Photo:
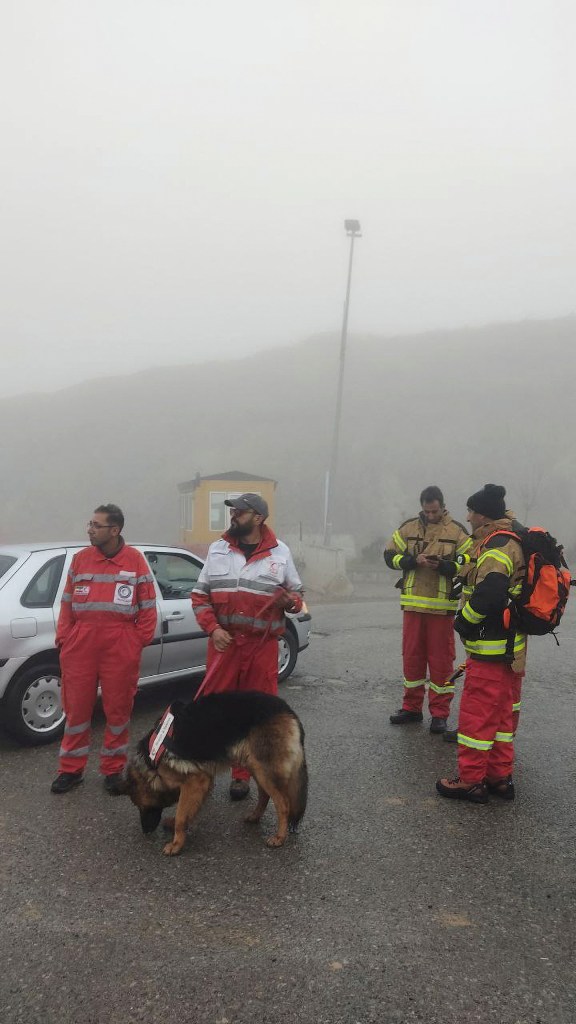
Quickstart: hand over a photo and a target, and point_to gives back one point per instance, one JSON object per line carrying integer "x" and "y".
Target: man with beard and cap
{"x": 247, "y": 583}
{"x": 425, "y": 549}
{"x": 496, "y": 654}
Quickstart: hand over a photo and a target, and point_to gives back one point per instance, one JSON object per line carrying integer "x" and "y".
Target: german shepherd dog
{"x": 255, "y": 730}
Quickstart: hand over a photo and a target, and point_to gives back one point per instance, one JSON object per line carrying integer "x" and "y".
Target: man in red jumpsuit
{"x": 247, "y": 583}
{"x": 108, "y": 615}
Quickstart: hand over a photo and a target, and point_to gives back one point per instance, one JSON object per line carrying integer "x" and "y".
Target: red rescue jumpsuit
{"x": 238, "y": 595}
{"x": 108, "y": 615}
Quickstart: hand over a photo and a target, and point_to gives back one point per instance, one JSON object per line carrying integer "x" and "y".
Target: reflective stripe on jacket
{"x": 238, "y": 595}
{"x": 425, "y": 589}
{"x": 100, "y": 590}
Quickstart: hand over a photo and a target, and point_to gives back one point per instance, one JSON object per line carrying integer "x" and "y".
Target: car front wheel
{"x": 33, "y": 711}
{"x": 287, "y": 654}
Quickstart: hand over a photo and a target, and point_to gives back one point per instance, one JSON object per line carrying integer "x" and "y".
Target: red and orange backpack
{"x": 537, "y": 610}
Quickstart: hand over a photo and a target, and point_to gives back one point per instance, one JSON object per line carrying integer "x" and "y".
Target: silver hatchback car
{"x": 32, "y": 579}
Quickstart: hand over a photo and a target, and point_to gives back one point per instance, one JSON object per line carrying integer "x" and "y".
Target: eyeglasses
{"x": 98, "y": 526}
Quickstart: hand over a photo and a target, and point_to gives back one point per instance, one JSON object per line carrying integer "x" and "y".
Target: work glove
{"x": 446, "y": 567}
{"x": 466, "y": 630}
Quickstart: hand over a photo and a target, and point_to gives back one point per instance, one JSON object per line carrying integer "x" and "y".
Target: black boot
{"x": 115, "y": 784}
{"x": 402, "y": 717}
{"x": 455, "y": 789}
{"x": 239, "y": 789}
{"x": 504, "y": 788}
{"x": 450, "y": 736}
{"x": 438, "y": 725}
{"x": 66, "y": 781}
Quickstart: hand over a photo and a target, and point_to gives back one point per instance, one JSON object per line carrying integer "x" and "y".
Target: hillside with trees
{"x": 456, "y": 408}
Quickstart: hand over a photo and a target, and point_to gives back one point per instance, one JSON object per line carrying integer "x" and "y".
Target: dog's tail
{"x": 298, "y": 787}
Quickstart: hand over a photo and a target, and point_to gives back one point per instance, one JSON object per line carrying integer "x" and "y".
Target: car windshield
{"x": 5, "y": 562}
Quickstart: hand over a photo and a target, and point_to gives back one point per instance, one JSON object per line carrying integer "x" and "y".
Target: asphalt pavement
{"x": 389, "y": 905}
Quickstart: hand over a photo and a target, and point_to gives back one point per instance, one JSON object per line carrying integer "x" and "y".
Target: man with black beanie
{"x": 495, "y": 653}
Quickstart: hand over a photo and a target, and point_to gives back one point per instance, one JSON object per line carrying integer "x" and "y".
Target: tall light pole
{"x": 352, "y": 228}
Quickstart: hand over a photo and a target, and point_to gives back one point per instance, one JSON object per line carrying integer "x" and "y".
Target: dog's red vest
{"x": 159, "y": 741}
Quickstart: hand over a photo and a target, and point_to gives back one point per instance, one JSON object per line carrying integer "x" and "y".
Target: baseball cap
{"x": 254, "y": 502}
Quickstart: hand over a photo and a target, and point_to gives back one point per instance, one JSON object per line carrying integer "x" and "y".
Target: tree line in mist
{"x": 458, "y": 408}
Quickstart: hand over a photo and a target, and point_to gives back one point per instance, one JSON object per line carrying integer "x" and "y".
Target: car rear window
{"x": 5, "y": 562}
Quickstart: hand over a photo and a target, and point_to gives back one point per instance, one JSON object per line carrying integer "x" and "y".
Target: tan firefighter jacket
{"x": 494, "y": 575}
{"x": 426, "y": 589}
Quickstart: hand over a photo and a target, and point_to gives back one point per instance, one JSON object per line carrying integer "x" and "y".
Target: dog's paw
{"x": 172, "y": 849}
{"x": 274, "y": 841}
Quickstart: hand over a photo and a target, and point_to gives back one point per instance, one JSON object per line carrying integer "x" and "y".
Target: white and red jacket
{"x": 238, "y": 595}
{"x": 101, "y": 590}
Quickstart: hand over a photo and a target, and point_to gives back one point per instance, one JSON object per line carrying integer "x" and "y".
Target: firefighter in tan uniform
{"x": 425, "y": 550}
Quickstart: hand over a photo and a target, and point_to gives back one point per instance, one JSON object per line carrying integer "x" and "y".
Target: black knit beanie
{"x": 489, "y": 501}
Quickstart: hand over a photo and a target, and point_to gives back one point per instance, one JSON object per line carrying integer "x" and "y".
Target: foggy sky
{"x": 176, "y": 173}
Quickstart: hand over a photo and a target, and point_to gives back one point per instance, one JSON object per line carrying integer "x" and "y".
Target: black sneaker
{"x": 438, "y": 725}
{"x": 115, "y": 784}
{"x": 504, "y": 788}
{"x": 402, "y": 717}
{"x": 455, "y": 789}
{"x": 450, "y": 736}
{"x": 239, "y": 789}
{"x": 66, "y": 781}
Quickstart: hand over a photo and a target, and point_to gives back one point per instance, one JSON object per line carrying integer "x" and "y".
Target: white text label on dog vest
{"x": 164, "y": 727}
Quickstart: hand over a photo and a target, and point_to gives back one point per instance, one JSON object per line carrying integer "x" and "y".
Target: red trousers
{"x": 428, "y": 643}
{"x": 109, "y": 655}
{"x": 485, "y": 725}
{"x": 246, "y": 664}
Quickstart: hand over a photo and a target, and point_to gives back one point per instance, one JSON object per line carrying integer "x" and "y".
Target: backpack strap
{"x": 499, "y": 533}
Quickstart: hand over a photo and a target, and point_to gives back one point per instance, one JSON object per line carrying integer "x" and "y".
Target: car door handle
{"x": 176, "y": 617}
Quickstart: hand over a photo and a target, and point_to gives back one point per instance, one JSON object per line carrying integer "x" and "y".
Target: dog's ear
{"x": 150, "y": 819}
